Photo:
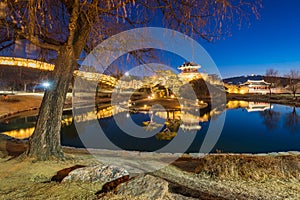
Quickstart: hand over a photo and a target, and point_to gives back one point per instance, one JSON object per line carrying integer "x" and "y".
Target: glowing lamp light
{"x": 45, "y": 84}
{"x": 126, "y": 74}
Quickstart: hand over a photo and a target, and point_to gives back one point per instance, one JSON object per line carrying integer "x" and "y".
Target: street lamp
{"x": 46, "y": 84}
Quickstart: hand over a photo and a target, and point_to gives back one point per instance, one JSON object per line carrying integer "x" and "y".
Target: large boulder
{"x": 98, "y": 173}
{"x": 141, "y": 187}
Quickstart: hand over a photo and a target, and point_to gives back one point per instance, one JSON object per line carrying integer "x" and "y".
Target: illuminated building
{"x": 189, "y": 71}
{"x": 257, "y": 86}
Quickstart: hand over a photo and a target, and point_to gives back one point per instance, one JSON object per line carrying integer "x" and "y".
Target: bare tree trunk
{"x": 45, "y": 143}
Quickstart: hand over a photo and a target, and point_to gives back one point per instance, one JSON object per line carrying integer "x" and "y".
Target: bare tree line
{"x": 292, "y": 77}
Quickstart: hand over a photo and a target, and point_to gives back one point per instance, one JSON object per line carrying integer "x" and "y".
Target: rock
{"x": 283, "y": 153}
{"x": 273, "y": 154}
{"x": 98, "y": 173}
{"x": 294, "y": 152}
{"x": 261, "y": 154}
{"x": 61, "y": 174}
{"x": 144, "y": 187}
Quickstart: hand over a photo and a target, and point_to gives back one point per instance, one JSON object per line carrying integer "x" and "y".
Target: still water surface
{"x": 249, "y": 128}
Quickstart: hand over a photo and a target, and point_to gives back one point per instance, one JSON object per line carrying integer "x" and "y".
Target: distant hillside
{"x": 242, "y": 79}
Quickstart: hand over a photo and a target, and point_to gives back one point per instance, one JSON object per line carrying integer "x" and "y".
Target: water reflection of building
{"x": 237, "y": 104}
{"x": 249, "y": 106}
{"x": 67, "y": 120}
{"x": 190, "y": 122}
{"x": 20, "y": 133}
{"x": 24, "y": 133}
{"x": 258, "y": 106}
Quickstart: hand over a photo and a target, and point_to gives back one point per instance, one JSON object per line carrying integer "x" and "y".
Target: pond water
{"x": 249, "y": 128}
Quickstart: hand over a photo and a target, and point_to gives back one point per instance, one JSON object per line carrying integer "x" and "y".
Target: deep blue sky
{"x": 273, "y": 41}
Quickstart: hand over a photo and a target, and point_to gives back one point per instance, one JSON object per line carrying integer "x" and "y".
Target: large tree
{"x": 67, "y": 28}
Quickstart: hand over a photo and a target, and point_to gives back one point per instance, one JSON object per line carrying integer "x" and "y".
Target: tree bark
{"x": 45, "y": 144}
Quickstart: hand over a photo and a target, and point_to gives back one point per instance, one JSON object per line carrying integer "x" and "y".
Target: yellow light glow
{"x": 29, "y": 63}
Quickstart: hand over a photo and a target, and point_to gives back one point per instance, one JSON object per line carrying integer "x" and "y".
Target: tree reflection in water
{"x": 271, "y": 118}
{"x": 292, "y": 120}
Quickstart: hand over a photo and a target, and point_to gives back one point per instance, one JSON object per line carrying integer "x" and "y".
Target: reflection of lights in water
{"x": 258, "y": 106}
{"x": 189, "y": 127}
{"x": 127, "y": 115}
{"x": 237, "y": 104}
{"x": 190, "y": 121}
{"x": 250, "y": 106}
{"x": 24, "y": 133}
{"x": 20, "y": 134}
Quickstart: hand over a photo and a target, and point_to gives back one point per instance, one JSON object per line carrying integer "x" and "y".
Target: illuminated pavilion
{"x": 189, "y": 71}
{"x": 257, "y": 86}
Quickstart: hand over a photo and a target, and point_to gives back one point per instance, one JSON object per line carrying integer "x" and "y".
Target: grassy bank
{"x": 215, "y": 176}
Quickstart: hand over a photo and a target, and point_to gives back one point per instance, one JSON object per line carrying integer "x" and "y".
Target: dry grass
{"x": 257, "y": 168}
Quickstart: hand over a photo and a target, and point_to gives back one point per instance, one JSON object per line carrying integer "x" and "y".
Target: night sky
{"x": 273, "y": 41}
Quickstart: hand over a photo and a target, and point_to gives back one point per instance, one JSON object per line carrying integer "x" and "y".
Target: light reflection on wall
{"x": 236, "y": 89}
{"x": 22, "y": 62}
{"x": 29, "y": 63}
